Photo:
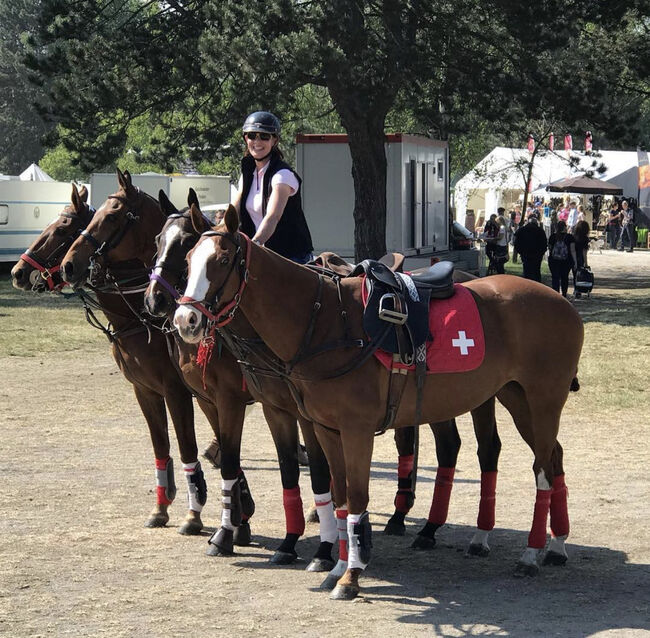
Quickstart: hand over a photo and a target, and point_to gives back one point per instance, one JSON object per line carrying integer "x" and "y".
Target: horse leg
{"x": 285, "y": 436}
{"x": 330, "y": 442}
{"x": 357, "y": 452}
{"x": 181, "y": 409}
{"x": 556, "y": 553}
{"x": 537, "y": 420}
{"x": 489, "y": 448}
{"x": 405, "y": 442}
{"x": 447, "y": 448}
{"x": 234, "y": 489}
{"x": 319, "y": 472}
{"x": 153, "y": 409}
{"x": 212, "y": 453}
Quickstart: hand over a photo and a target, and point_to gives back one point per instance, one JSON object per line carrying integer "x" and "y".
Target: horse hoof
{"x": 216, "y": 550}
{"x": 344, "y": 592}
{"x": 157, "y": 521}
{"x": 394, "y": 528}
{"x": 283, "y": 558}
{"x": 423, "y": 542}
{"x": 312, "y": 515}
{"x": 526, "y": 569}
{"x": 477, "y": 549}
{"x": 554, "y": 558}
{"x": 330, "y": 582}
{"x": 191, "y": 528}
{"x": 242, "y": 535}
{"x": 320, "y": 565}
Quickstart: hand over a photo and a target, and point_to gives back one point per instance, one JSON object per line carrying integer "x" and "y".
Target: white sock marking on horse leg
{"x": 192, "y": 492}
{"x": 481, "y": 538}
{"x": 556, "y": 546}
{"x": 529, "y": 557}
{"x": 226, "y": 485}
{"x": 542, "y": 481}
{"x": 328, "y": 530}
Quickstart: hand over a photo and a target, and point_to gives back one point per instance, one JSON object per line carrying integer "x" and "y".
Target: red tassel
{"x": 204, "y": 354}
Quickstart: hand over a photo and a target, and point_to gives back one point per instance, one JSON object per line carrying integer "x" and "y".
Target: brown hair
{"x": 581, "y": 231}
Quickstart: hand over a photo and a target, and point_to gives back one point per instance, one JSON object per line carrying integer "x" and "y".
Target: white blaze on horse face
{"x": 170, "y": 235}
{"x": 198, "y": 283}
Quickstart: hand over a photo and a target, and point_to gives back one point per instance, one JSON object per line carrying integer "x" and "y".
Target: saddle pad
{"x": 458, "y": 342}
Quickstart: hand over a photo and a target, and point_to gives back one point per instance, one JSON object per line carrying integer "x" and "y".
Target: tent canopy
{"x": 34, "y": 173}
{"x": 585, "y": 185}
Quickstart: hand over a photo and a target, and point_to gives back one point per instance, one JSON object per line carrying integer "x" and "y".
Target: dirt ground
{"x": 78, "y": 483}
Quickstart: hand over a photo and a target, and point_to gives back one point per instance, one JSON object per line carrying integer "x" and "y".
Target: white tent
{"x": 497, "y": 180}
{"x": 34, "y": 173}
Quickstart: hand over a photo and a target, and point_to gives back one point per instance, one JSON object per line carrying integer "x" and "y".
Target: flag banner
{"x": 551, "y": 142}
{"x": 568, "y": 142}
{"x": 531, "y": 143}
{"x": 588, "y": 143}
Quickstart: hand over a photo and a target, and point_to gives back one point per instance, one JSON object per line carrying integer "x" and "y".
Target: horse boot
{"x": 295, "y": 520}
{"x": 322, "y": 560}
{"x": 426, "y": 537}
{"x": 342, "y": 564}
{"x": 242, "y": 535}
{"x": 165, "y": 493}
{"x": 221, "y": 543}
{"x": 405, "y": 497}
{"x": 359, "y": 550}
{"x": 197, "y": 495}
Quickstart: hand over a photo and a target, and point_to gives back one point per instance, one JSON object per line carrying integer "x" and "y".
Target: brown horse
{"x": 301, "y": 317}
{"x": 221, "y": 380}
{"x": 141, "y": 356}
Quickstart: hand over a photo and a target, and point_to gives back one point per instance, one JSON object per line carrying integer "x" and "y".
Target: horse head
{"x": 217, "y": 271}
{"x": 176, "y": 238}
{"x": 122, "y": 229}
{"x": 38, "y": 268}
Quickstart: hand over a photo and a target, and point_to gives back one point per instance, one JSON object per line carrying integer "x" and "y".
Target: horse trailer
{"x": 26, "y": 207}
{"x": 417, "y": 197}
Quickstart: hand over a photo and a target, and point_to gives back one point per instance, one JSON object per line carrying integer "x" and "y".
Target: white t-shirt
{"x": 255, "y": 199}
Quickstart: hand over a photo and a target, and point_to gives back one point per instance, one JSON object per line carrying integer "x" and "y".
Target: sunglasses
{"x": 265, "y": 137}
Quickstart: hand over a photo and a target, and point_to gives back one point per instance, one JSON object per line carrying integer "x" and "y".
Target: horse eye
{"x": 224, "y": 261}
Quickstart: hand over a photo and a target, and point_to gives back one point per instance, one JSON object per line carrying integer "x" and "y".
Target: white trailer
{"x": 26, "y": 207}
{"x": 210, "y": 189}
{"x": 417, "y": 197}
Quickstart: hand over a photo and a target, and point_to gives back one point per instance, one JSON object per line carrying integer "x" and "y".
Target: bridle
{"x": 226, "y": 314}
{"x": 115, "y": 237}
{"x": 48, "y": 267}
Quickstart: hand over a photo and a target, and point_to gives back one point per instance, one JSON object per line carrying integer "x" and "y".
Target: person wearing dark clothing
{"x": 613, "y": 225}
{"x": 628, "y": 231}
{"x": 581, "y": 235}
{"x": 561, "y": 257}
{"x": 531, "y": 244}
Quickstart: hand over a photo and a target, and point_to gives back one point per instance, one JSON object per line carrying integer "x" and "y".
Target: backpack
{"x": 560, "y": 250}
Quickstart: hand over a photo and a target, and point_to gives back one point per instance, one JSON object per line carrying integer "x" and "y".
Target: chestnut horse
{"x": 127, "y": 225}
{"x": 141, "y": 356}
{"x": 301, "y": 317}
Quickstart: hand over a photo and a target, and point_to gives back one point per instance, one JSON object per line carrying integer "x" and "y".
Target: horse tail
{"x": 575, "y": 385}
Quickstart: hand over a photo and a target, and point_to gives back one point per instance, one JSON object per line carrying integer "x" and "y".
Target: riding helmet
{"x": 262, "y": 122}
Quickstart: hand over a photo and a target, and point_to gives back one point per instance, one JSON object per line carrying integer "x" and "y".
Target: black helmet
{"x": 261, "y": 122}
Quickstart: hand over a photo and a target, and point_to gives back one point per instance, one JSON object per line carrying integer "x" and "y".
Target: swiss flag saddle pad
{"x": 458, "y": 343}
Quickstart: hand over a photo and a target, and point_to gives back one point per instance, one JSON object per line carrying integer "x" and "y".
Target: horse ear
{"x": 75, "y": 199}
{"x": 83, "y": 194}
{"x": 167, "y": 207}
{"x": 193, "y": 198}
{"x": 121, "y": 179}
{"x": 231, "y": 219}
{"x": 199, "y": 222}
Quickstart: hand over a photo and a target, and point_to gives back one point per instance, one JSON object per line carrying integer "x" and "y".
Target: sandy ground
{"x": 77, "y": 472}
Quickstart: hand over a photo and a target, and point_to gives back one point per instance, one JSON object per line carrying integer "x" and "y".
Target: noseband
{"x": 228, "y": 311}
{"x": 47, "y": 267}
{"x": 117, "y": 236}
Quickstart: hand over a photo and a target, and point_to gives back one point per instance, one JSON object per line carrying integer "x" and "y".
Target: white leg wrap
{"x": 226, "y": 485}
{"x": 192, "y": 491}
{"x": 557, "y": 545}
{"x": 529, "y": 557}
{"x": 328, "y": 531}
{"x": 481, "y": 538}
{"x": 353, "y": 543}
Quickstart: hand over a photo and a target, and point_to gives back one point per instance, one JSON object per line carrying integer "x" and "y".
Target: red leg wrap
{"x": 293, "y": 513}
{"x": 537, "y": 536}
{"x": 342, "y": 526}
{"x": 161, "y": 495}
{"x": 441, "y": 495}
{"x": 559, "y": 511}
{"x": 485, "y": 520}
{"x": 404, "y": 497}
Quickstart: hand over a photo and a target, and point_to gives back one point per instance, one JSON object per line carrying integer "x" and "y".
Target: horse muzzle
{"x": 157, "y": 303}
{"x": 190, "y": 323}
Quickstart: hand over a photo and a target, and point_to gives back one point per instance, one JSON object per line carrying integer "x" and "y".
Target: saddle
{"x": 401, "y": 304}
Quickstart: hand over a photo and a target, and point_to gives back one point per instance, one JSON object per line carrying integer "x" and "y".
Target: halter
{"x": 46, "y": 267}
{"x": 229, "y": 310}
{"x": 117, "y": 236}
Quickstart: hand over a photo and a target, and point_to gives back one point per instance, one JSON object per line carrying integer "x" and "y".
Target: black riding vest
{"x": 291, "y": 237}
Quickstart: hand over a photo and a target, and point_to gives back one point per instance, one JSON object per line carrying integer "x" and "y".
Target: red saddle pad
{"x": 458, "y": 342}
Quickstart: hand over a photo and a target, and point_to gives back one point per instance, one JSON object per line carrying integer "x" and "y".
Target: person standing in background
{"x": 628, "y": 230}
{"x": 613, "y": 225}
{"x": 561, "y": 257}
{"x": 530, "y": 243}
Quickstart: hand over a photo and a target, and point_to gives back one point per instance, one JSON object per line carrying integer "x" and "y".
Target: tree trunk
{"x": 364, "y": 124}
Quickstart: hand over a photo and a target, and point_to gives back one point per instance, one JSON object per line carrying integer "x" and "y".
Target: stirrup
{"x": 392, "y": 316}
